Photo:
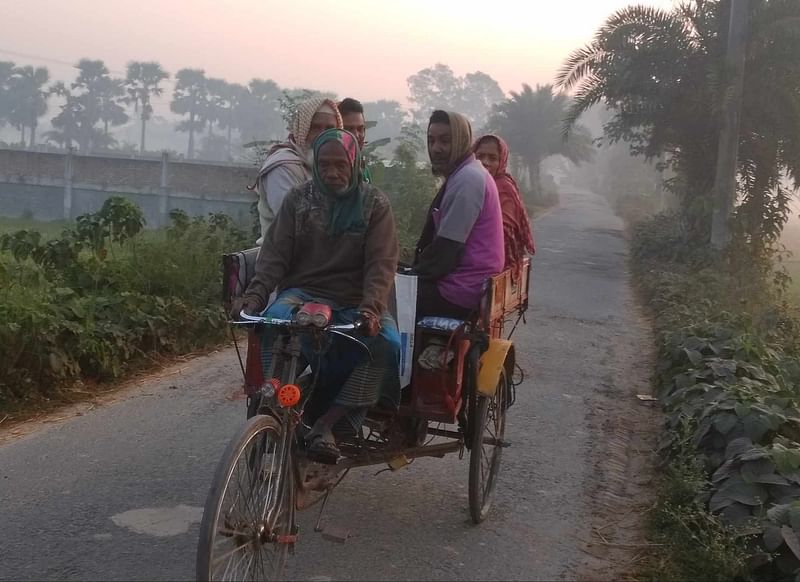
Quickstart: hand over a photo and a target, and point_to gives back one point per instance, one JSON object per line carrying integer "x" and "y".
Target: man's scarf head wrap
{"x": 304, "y": 113}
{"x": 460, "y": 136}
{"x": 348, "y": 205}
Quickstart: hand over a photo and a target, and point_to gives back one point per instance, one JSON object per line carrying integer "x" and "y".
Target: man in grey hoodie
{"x": 288, "y": 164}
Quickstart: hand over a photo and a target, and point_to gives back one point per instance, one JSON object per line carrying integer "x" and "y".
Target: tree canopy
{"x": 663, "y": 75}
{"x": 438, "y": 87}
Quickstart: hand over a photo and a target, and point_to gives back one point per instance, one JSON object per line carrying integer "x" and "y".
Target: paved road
{"x": 115, "y": 494}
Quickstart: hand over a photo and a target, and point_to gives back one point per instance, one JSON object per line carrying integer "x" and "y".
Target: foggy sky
{"x": 362, "y": 48}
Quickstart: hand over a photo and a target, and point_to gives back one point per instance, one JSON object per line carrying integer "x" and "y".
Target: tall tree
{"x": 99, "y": 101}
{"x": 112, "y": 94}
{"x": 229, "y": 105}
{"x": 216, "y": 104}
{"x": 189, "y": 98}
{"x": 66, "y": 125}
{"x": 90, "y": 104}
{"x": 6, "y": 70}
{"x": 438, "y": 87}
{"x": 531, "y": 122}
{"x": 28, "y": 99}
{"x": 388, "y": 116}
{"x": 661, "y": 73}
{"x": 433, "y": 88}
{"x": 258, "y": 116}
{"x": 479, "y": 94}
{"x": 143, "y": 81}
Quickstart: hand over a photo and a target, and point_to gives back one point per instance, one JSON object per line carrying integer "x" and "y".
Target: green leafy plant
{"x": 93, "y": 302}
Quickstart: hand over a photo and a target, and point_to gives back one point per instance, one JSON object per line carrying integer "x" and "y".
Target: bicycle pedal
{"x": 322, "y": 458}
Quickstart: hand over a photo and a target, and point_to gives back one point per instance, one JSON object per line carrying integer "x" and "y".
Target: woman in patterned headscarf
{"x": 492, "y": 151}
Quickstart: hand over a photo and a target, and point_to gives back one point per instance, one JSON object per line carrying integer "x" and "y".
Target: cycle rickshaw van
{"x": 460, "y": 390}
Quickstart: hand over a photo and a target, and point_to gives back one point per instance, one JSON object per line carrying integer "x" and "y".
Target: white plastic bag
{"x": 405, "y": 288}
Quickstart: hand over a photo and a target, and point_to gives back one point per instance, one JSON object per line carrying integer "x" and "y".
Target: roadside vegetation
{"x": 728, "y": 370}
{"x": 103, "y": 296}
{"x": 727, "y": 331}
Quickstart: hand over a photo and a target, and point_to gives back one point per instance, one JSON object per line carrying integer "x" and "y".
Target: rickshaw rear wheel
{"x": 488, "y": 431}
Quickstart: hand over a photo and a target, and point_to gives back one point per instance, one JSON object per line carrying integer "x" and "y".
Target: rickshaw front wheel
{"x": 248, "y": 521}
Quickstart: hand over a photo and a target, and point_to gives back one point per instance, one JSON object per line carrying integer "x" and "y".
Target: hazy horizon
{"x": 362, "y": 49}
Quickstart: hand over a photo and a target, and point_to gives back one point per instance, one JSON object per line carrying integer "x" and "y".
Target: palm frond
{"x": 589, "y": 94}
{"x": 577, "y": 66}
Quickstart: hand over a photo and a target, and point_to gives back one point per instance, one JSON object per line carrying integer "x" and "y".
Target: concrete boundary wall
{"x": 57, "y": 186}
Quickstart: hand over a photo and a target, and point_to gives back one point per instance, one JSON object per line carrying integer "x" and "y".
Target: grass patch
{"x": 48, "y": 229}
{"x": 695, "y": 545}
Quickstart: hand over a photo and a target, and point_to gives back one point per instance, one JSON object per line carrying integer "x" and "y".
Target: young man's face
{"x": 355, "y": 124}
{"x": 334, "y": 166}
{"x": 488, "y": 154}
{"x": 319, "y": 123}
{"x": 439, "y": 148}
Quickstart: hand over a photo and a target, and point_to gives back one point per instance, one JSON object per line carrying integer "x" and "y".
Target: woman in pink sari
{"x": 492, "y": 152}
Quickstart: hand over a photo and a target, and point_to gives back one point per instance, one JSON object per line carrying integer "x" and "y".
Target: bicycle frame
{"x": 369, "y": 450}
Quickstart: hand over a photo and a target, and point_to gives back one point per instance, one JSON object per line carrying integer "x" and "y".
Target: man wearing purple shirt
{"x": 462, "y": 242}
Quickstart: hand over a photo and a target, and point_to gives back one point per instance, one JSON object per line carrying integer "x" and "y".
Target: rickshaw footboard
{"x": 376, "y": 458}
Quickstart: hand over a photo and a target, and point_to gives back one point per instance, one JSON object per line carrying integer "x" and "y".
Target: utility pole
{"x": 725, "y": 178}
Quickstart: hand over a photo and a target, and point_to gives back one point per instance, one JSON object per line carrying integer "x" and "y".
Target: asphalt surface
{"x": 116, "y": 493}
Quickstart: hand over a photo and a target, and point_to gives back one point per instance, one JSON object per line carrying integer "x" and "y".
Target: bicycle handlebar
{"x": 247, "y": 319}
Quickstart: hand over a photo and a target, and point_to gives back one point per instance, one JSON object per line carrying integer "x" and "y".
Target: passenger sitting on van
{"x": 334, "y": 242}
{"x": 288, "y": 164}
{"x": 461, "y": 245}
{"x": 492, "y": 151}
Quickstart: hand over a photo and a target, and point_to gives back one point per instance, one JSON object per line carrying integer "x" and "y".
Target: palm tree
{"x": 662, "y": 74}
{"x": 112, "y": 93}
{"x": 530, "y": 121}
{"x": 217, "y": 103}
{"x": 6, "y": 69}
{"x": 258, "y": 115}
{"x": 66, "y": 125}
{"x": 189, "y": 98}
{"x": 99, "y": 99}
{"x": 232, "y": 99}
{"x": 142, "y": 81}
{"x": 28, "y": 99}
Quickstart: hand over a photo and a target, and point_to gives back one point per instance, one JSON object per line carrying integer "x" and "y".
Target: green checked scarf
{"x": 348, "y": 207}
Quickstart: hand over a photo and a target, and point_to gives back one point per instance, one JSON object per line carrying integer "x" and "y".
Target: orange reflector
{"x": 288, "y": 395}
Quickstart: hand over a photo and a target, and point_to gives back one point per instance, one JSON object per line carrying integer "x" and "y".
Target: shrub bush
{"x": 94, "y": 301}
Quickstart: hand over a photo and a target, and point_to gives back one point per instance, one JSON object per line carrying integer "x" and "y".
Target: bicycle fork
{"x": 289, "y": 418}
